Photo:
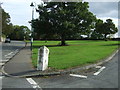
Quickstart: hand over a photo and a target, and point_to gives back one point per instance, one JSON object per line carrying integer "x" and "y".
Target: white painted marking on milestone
{"x": 33, "y": 83}
{"x": 100, "y": 70}
{"x": 81, "y": 76}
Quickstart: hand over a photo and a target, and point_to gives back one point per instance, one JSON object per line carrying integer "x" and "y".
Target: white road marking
{"x": 5, "y": 55}
{"x": 81, "y": 76}
{"x": 8, "y": 57}
{"x": 99, "y": 71}
{"x": 1, "y": 77}
{"x": 1, "y": 61}
{"x": 33, "y": 83}
{"x": 1, "y": 64}
{"x": 16, "y": 50}
{"x": 9, "y": 54}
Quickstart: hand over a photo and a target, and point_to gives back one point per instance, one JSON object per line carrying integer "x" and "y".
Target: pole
{"x": 33, "y": 4}
{"x": 32, "y": 28}
{"x": 1, "y": 22}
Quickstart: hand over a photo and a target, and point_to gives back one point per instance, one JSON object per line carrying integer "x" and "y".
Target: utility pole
{"x": 0, "y": 21}
{"x": 33, "y": 4}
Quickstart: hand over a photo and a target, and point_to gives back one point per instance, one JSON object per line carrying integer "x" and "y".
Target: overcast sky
{"x": 20, "y": 10}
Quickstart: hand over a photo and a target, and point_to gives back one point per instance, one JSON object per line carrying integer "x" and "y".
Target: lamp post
{"x": 33, "y": 4}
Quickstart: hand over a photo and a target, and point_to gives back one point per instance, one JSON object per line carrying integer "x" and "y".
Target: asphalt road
{"x": 7, "y": 48}
{"x": 8, "y": 82}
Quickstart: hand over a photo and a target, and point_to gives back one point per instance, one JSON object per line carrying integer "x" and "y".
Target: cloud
{"x": 104, "y": 9}
{"x": 20, "y": 10}
{"x": 102, "y": 0}
{"x": 119, "y": 10}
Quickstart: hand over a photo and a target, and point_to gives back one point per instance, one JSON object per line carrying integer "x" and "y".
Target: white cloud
{"x": 104, "y": 9}
{"x": 20, "y": 10}
{"x": 102, "y": 0}
{"x": 20, "y": 1}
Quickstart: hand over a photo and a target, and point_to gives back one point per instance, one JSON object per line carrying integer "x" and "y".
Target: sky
{"x": 21, "y": 12}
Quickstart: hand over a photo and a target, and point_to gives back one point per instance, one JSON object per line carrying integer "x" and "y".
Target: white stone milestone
{"x": 43, "y": 54}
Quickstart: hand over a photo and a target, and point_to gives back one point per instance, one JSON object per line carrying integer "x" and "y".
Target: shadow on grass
{"x": 49, "y": 46}
{"x": 117, "y": 44}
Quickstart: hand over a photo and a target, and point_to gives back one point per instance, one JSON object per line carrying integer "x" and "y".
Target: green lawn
{"x": 78, "y": 53}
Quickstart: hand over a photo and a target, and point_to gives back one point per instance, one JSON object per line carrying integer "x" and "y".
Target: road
{"x": 108, "y": 78}
{"x": 9, "y": 49}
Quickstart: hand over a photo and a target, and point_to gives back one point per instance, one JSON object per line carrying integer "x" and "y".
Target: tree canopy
{"x": 20, "y": 32}
{"x": 105, "y": 28}
{"x": 6, "y": 24}
{"x": 64, "y": 20}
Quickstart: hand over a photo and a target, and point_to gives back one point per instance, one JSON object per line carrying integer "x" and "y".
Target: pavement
{"x": 21, "y": 65}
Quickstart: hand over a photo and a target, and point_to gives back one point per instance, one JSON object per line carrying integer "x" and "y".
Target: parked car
{"x": 7, "y": 40}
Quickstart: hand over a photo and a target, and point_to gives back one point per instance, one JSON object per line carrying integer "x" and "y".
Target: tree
{"x": 109, "y": 28}
{"x": 98, "y": 26}
{"x": 20, "y": 32}
{"x": 106, "y": 28}
{"x": 64, "y": 19}
{"x": 6, "y": 25}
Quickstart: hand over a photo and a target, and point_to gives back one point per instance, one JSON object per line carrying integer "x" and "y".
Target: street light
{"x": 33, "y": 4}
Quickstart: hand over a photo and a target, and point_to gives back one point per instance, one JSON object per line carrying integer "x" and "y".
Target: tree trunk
{"x": 105, "y": 37}
{"x": 63, "y": 40}
{"x": 46, "y": 40}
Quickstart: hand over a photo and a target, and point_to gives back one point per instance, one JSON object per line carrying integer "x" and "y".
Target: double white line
{"x": 96, "y": 73}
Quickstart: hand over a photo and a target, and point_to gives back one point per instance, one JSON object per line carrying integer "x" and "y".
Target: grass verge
{"x": 78, "y": 53}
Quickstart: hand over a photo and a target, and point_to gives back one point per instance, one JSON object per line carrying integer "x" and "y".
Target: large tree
{"x": 64, "y": 19}
{"x": 6, "y": 24}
